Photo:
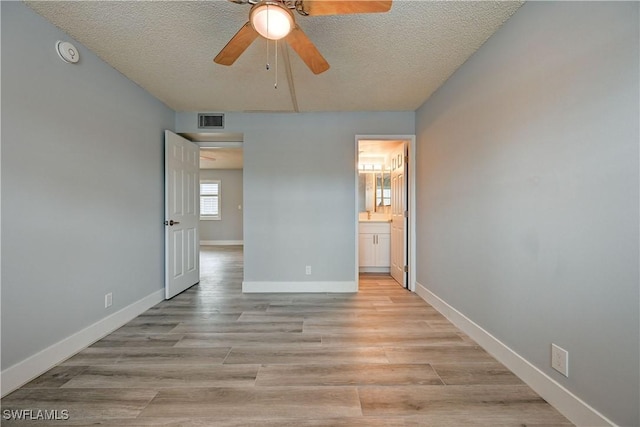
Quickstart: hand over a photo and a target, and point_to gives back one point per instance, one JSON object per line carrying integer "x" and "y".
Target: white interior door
{"x": 398, "y": 215}
{"x": 182, "y": 214}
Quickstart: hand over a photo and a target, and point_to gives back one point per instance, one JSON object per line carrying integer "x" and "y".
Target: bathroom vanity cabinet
{"x": 374, "y": 245}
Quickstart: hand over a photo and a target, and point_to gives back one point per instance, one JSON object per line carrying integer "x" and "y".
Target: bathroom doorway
{"x": 384, "y": 204}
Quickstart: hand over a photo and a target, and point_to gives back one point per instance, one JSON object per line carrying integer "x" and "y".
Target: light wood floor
{"x": 212, "y": 356}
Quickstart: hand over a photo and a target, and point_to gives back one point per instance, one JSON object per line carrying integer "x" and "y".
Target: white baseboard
{"x": 374, "y": 269}
{"x": 221, "y": 242}
{"x": 567, "y": 403}
{"x": 301, "y": 287}
{"x": 22, "y": 372}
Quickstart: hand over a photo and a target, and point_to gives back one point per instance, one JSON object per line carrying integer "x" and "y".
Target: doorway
{"x": 221, "y": 195}
{"x": 385, "y": 202}
{"x": 221, "y": 170}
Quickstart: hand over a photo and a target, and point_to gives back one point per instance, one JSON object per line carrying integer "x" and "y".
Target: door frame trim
{"x": 411, "y": 182}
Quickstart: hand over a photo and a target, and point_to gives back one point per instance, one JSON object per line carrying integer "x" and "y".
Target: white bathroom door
{"x": 182, "y": 214}
{"x": 399, "y": 215}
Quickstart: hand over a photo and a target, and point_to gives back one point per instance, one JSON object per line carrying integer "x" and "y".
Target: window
{"x": 209, "y": 199}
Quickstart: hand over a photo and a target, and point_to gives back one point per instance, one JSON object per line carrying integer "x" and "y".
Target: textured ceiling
{"x": 379, "y": 62}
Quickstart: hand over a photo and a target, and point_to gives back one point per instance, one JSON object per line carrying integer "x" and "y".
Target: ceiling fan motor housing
{"x": 271, "y": 19}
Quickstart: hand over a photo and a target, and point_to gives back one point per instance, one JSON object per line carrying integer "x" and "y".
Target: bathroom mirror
{"x": 374, "y": 191}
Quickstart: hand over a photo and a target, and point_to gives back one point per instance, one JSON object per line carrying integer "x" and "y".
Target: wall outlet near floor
{"x": 560, "y": 359}
{"x": 307, "y": 270}
{"x": 108, "y": 300}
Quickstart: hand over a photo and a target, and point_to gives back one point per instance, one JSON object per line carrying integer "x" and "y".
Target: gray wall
{"x": 299, "y": 189}
{"x": 229, "y": 227}
{"x": 82, "y": 188}
{"x": 527, "y": 199}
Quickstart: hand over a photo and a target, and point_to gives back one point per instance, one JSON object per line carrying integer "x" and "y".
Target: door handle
{"x": 172, "y": 222}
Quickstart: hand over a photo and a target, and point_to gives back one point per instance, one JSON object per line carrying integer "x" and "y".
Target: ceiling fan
{"x": 274, "y": 20}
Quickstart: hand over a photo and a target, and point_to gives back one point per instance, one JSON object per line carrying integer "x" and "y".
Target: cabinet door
{"x": 366, "y": 250}
{"x": 383, "y": 250}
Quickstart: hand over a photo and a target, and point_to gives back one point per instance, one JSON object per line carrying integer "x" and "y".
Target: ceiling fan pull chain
{"x": 268, "y": 56}
{"x": 275, "y": 86}
{"x": 267, "y": 38}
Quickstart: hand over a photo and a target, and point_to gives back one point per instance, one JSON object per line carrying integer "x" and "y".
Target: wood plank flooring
{"x": 213, "y": 356}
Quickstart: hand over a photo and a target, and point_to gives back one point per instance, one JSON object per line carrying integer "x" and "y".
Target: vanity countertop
{"x": 375, "y": 220}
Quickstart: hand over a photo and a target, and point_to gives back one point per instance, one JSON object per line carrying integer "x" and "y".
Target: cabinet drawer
{"x": 374, "y": 227}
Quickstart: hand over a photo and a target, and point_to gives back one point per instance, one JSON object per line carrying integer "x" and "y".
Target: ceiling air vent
{"x": 210, "y": 121}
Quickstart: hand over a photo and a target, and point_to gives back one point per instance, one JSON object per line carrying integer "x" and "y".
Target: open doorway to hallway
{"x": 221, "y": 217}
{"x": 221, "y": 195}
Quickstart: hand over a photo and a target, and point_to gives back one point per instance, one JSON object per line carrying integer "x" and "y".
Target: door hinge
{"x": 406, "y": 214}
{"x": 406, "y": 269}
{"x": 406, "y": 160}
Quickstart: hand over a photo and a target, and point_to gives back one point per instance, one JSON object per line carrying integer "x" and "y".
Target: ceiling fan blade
{"x": 344, "y": 7}
{"x": 238, "y": 44}
{"x": 305, "y": 48}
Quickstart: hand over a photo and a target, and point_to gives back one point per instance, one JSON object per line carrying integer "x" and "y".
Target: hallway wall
{"x": 229, "y": 227}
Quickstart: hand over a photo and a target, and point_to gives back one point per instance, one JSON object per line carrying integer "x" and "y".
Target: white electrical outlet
{"x": 560, "y": 359}
{"x": 108, "y": 300}
{"x": 308, "y": 270}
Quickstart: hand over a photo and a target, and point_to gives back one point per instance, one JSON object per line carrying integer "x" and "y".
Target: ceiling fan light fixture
{"x": 271, "y": 20}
